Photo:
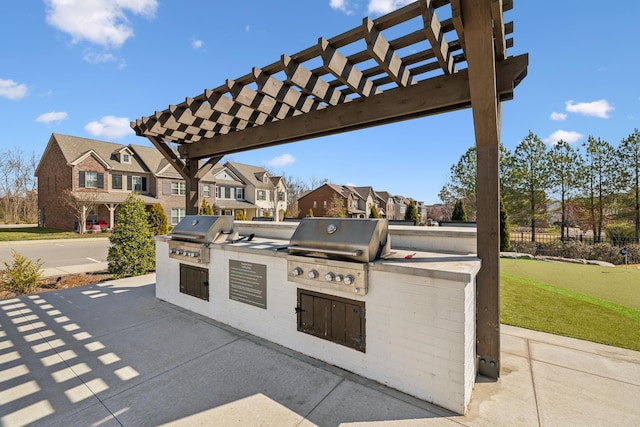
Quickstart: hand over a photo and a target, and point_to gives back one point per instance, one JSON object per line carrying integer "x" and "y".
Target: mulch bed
{"x": 49, "y": 284}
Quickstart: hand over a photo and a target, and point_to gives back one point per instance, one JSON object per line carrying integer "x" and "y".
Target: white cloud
{"x": 558, "y": 116}
{"x": 102, "y": 22}
{"x": 99, "y": 58}
{"x": 565, "y": 135}
{"x": 110, "y": 127}
{"x": 196, "y": 44}
{"x": 12, "y": 90}
{"x": 599, "y": 108}
{"x": 386, "y": 6}
{"x": 53, "y": 116}
{"x": 280, "y": 161}
{"x": 341, "y": 5}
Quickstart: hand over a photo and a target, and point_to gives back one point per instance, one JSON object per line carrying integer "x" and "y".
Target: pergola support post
{"x": 480, "y": 55}
{"x": 192, "y": 186}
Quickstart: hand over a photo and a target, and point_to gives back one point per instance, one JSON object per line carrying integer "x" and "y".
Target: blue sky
{"x": 89, "y": 67}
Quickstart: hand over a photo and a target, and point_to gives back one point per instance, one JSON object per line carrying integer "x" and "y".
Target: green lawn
{"x": 599, "y": 304}
{"x": 36, "y": 233}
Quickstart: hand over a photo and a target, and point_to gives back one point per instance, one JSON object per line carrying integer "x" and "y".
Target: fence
{"x": 542, "y": 238}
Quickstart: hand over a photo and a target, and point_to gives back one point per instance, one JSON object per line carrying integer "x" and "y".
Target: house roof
{"x": 233, "y": 204}
{"x": 74, "y": 147}
{"x": 250, "y": 174}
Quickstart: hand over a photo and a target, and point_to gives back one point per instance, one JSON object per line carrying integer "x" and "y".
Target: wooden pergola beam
{"x": 485, "y": 102}
{"x": 311, "y": 84}
{"x": 380, "y": 50}
{"x": 439, "y": 45}
{"x": 344, "y": 71}
{"x": 433, "y": 96}
{"x": 284, "y": 93}
{"x": 257, "y": 101}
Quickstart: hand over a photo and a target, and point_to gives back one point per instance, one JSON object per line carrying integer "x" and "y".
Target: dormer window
{"x": 125, "y": 158}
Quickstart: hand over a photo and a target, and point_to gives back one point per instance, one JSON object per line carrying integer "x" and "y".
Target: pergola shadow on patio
{"x": 359, "y": 79}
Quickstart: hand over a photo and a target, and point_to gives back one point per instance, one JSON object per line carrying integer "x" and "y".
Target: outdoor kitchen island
{"x": 405, "y": 319}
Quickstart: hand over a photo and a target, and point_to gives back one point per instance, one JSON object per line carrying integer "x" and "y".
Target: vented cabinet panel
{"x": 333, "y": 318}
{"x": 194, "y": 281}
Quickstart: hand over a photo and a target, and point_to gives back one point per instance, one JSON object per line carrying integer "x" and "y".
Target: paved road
{"x": 59, "y": 253}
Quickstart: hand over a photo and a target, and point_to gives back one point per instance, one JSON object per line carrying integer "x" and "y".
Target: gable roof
{"x": 250, "y": 174}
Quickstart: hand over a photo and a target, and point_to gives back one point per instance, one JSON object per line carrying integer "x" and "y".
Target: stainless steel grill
{"x": 353, "y": 239}
{"x": 190, "y": 239}
{"x": 336, "y": 252}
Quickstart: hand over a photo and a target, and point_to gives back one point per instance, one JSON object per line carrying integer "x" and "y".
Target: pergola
{"x": 407, "y": 64}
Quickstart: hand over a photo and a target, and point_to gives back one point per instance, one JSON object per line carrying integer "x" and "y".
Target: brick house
{"x": 356, "y": 200}
{"x": 107, "y": 173}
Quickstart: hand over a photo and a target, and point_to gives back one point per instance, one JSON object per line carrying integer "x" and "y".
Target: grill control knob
{"x": 329, "y": 277}
{"x": 313, "y": 274}
{"x": 297, "y": 271}
{"x": 348, "y": 280}
{"x": 338, "y": 278}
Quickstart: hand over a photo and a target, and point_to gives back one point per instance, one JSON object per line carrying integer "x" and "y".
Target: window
{"x": 178, "y": 188}
{"x": 176, "y": 215}
{"x": 227, "y": 192}
{"x": 126, "y": 158}
{"x": 227, "y": 212}
{"x": 239, "y": 193}
{"x": 314, "y": 204}
{"x": 206, "y": 190}
{"x": 217, "y": 191}
{"x": 281, "y": 196}
{"x": 324, "y": 204}
{"x": 91, "y": 180}
{"x": 116, "y": 181}
{"x": 137, "y": 183}
{"x": 262, "y": 195}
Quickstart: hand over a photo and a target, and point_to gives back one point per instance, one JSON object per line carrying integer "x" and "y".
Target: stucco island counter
{"x": 412, "y": 327}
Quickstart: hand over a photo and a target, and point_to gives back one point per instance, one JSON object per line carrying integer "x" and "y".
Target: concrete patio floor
{"x": 111, "y": 354}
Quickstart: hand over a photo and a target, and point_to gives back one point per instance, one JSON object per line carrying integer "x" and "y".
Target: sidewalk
{"x": 111, "y": 354}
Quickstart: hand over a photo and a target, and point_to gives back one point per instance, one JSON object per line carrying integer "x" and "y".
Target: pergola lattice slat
{"x": 284, "y": 93}
{"x": 381, "y": 51}
{"x": 312, "y": 84}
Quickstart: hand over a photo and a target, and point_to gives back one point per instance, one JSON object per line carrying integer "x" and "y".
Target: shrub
{"x": 620, "y": 233}
{"x": 505, "y": 233}
{"x": 525, "y": 247}
{"x": 132, "y": 250}
{"x": 459, "y": 212}
{"x": 241, "y": 216}
{"x": 411, "y": 213}
{"x": 205, "y": 208}
{"x": 21, "y": 276}
{"x": 310, "y": 215}
{"x": 374, "y": 212}
{"x": 158, "y": 220}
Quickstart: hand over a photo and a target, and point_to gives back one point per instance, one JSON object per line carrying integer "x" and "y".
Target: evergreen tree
{"x": 241, "y": 216}
{"x": 629, "y": 154}
{"x": 310, "y": 214}
{"x": 459, "y": 212}
{"x": 505, "y": 233}
{"x": 411, "y": 213}
{"x": 565, "y": 177}
{"x": 601, "y": 178}
{"x": 158, "y": 220}
{"x": 530, "y": 177}
{"x": 374, "y": 212}
{"x": 132, "y": 250}
{"x": 205, "y": 208}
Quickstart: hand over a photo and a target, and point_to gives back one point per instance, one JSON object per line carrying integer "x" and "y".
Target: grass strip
{"x": 530, "y": 306}
{"x": 625, "y": 311}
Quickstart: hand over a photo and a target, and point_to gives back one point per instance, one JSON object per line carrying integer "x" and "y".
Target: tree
{"x": 448, "y": 201}
{"x": 205, "y": 208}
{"x": 629, "y": 155}
{"x": 463, "y": 179}
{"x": 505, "y": 233}
{"x": 374, "y": 212}
{"x": 530, "y": 177}
{"x": 411, "y": 213}
{"x": 566, "y": 165}
{"x": 80, "y": 203}
{"x": 600, "y": 181}
{"x": 241, "y": 216}
{"x": 310, "y": 214}
{"x": 158, "y": 220}
{"x": 336, "y": 207}
{"x": 132, "y": 250}
{"x": 459, "y": 212}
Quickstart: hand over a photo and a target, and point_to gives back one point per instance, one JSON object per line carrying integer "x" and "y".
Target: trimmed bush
{"x": 21, "y": 276}
{"x": 158, "y": 220}
{"x": 132, "y": 251}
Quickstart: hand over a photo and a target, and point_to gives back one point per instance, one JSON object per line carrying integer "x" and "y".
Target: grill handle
{"x": 356, "y": 252}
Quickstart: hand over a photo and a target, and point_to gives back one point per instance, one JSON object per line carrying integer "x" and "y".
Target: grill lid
{"x": 202, "y": 228}
{"x": 356, "y": 239}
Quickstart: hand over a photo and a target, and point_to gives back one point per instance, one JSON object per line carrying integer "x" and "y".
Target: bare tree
{"x": 18, "y": 201}
{"x": 80, "y": 204}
